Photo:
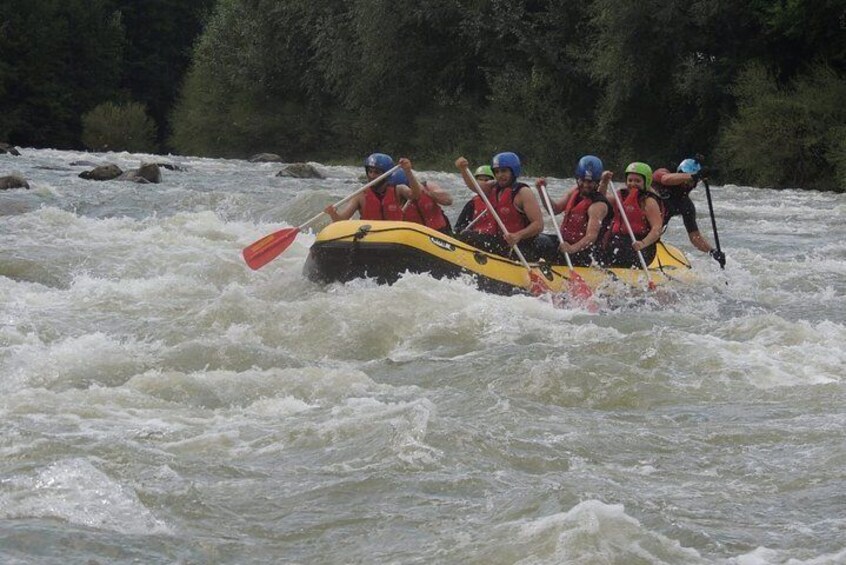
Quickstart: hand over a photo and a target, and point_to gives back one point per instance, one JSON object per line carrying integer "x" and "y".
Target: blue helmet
{"x": 589, "y": 168}
{"x": 398, "y": 177}
{"x": 507, "y": 160}
{"x": 689, "y": 166}
{"x": 379, "y": 161}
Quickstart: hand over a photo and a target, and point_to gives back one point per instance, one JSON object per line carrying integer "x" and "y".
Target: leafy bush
{"x": 119, "y": 127}
{"x": 791, "y": 136}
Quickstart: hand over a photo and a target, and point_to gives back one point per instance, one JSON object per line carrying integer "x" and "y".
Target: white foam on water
{"x": 595, "y": 532}
{"x": 77, "y": 491}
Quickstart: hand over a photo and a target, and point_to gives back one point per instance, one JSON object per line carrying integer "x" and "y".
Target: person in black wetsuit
{"x": 674, "y": 189}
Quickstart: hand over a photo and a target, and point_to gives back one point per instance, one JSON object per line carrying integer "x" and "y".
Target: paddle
{"x": 713, "y": 220}
{"x": 538, "y": 286}
{"x": 476, "y": 219}
{"x": 578, "y": 287}
{"x": 650, "y": 284}
{"x": 265, "y": 250}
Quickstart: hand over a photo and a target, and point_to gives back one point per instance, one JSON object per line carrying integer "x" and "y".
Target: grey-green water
{"x": 162, "y": 403}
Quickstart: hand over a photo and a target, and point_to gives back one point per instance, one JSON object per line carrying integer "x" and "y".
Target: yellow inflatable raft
{"x": 384, "y": 250}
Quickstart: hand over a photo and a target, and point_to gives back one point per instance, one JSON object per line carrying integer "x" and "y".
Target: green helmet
{"x": 484, "y": 171}
{"x": 643, "y": 170}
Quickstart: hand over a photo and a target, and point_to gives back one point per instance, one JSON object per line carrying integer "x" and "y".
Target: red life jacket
{"x": 425, "y": 211}
{"x": 502, "y": 200}
{"x": 385, "y": 208}
{"x": 635, "y": 213}
{"x": 575, "y": 222}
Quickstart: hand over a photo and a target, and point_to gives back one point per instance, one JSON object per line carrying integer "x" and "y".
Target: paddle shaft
{"x": 629, "y": 227}
{"x": 713, "y": 218}
{"x": 552, "y": 215}
{"x": 473, "y": 223}
{"x": 498, "y": 220}
{"x": 352, "y": 195}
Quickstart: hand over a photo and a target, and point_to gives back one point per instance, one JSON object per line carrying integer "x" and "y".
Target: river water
{"x": 162, "y": 403}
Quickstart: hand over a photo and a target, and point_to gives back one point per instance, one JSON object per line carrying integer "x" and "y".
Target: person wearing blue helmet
{"x": 383, "y": 201}
{"x": 674, "y": 189}
{"x": 587, "y": 214}
{"x": 514, "y": 202}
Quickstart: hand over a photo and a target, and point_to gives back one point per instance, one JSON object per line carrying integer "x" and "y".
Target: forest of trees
{"x": 758, "y": 86}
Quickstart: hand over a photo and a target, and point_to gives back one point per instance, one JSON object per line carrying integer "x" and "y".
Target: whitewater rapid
{"x": 160, "y": 402}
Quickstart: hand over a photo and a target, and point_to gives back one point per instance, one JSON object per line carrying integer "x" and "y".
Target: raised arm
{"x": 347, "y": 211}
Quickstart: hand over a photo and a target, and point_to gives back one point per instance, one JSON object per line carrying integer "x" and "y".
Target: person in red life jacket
{"x": 644, "y": 211}
{"x": 427, "y": 209}
{"x": 674, "y": 189}
{"x": 515, "y": 204}
{"x": 383, "y": 201}
{"x": 587, "y": 214}
{"x": 468, "y": 216}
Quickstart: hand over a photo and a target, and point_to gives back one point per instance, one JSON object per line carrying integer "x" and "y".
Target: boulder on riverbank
{"x": 301, "y": 171}
{"x": 13, "y": 181}
{"x": 10, "y": 149}
{"x": 266, "y": 158}
{"x": 146, "y": 173}
{"x": 103, "y": 172}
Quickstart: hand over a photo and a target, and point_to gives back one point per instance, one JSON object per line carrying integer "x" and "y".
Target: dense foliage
{"x": 334, "y": 79}
{"x": 119, "y": 127}
{"x": 59, "y": 59}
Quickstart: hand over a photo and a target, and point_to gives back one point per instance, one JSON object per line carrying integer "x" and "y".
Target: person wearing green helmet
{"x": 643, "y": 209}
{"x": 483, "y": 176}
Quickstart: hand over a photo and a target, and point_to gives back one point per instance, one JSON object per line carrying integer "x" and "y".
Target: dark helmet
{"x": 379, "y": 161}
{"x": 589, "y": 168}
{"x": 507, "y": 160}
{"x": 399, "y": 177}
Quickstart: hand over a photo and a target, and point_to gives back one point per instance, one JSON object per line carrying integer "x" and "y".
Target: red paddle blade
{"x": 578, "y": 287}
{"x": 537, "y": 286}
{"x": 265, "y": 250}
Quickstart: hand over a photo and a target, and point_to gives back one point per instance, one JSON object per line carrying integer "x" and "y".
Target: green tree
{"x": 59, "y": 58}
{"x": 791, "y": 136}
{"x": 119, "y": 127}
{"x": 159, "y": 38}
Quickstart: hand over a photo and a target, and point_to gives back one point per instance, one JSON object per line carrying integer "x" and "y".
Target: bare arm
{"x": 413, "y": 183}
{"x": 604, "y": 180}
{"x": 676, "y": 179}
{"x": 527, "y": 202}
{"x": 557, "y": 205}
{"x": 596, "y": 213}
{"x": 699, "y": 241}
{"x": 438, "y": 194}
{"x": 464, "y": 166}
{"x": 347, "y": 211}
{"x": 653, "y": 216}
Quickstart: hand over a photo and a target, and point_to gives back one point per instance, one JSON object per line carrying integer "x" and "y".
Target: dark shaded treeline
{"x": 61, "y": 58}
{"x": 758, "y": 85}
